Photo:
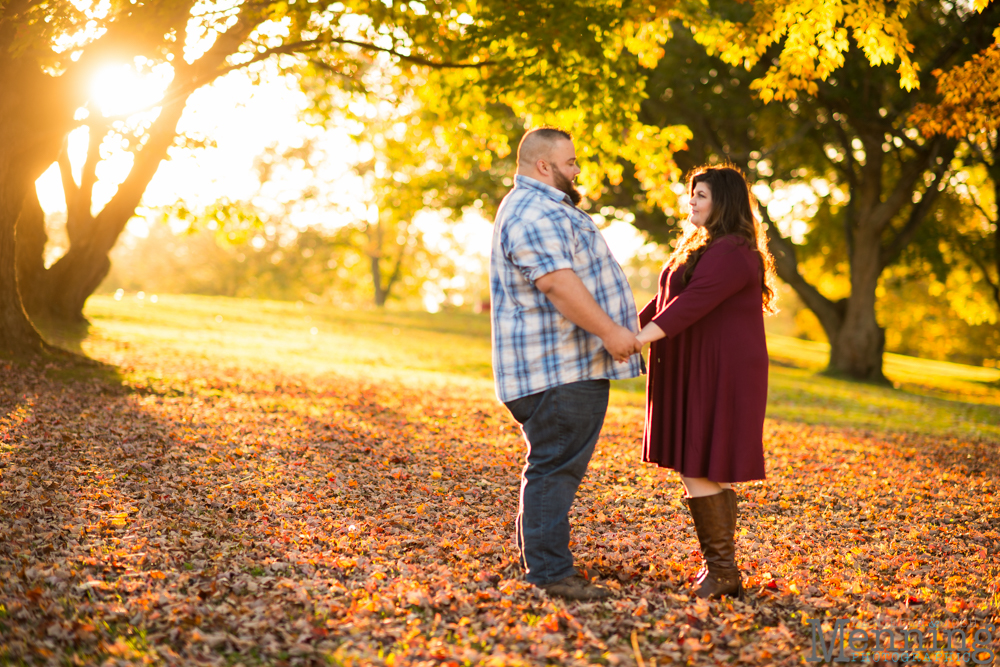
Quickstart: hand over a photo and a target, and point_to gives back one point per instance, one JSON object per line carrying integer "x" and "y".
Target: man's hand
{"x": 621, "y": 344}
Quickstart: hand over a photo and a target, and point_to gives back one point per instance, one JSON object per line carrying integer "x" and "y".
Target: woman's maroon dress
{"x": 707, "y": 387}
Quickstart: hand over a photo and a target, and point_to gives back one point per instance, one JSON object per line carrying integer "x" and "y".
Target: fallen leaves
{"x": 245, "y": 515}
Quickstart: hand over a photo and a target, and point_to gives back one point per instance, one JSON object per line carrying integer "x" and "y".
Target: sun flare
{"x": 122, "y": 90}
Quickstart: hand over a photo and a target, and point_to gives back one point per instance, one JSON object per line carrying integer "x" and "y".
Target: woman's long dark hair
{"x": 734, "y": 213}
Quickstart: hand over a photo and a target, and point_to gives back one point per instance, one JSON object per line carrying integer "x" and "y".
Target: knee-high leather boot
{"x": 732, "y": 503}
{"x": 715, "y": 522}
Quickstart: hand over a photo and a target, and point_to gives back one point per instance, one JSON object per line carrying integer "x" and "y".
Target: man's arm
{"x": 571, "y": 298}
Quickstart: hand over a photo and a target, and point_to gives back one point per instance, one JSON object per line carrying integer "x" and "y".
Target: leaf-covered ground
{"x": 198, "y": 509}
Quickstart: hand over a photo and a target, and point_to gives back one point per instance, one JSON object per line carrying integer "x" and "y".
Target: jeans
{"x": 561, "y": 426}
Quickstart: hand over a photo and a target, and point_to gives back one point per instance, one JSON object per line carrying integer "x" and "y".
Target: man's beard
{"x": 566, "y": 185}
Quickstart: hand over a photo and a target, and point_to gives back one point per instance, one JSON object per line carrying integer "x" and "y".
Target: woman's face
{"x": 700, "y": 204}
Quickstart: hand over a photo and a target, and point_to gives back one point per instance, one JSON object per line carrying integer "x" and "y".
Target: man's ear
{"x": 542, "y": 167}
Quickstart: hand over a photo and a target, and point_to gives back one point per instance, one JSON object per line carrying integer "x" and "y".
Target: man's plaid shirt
{"x": 535, "y": 348}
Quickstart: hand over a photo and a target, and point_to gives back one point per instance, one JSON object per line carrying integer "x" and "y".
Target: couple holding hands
{"x": 564, "y": 325}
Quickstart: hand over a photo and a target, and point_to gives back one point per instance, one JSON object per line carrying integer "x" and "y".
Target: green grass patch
{"x": 296, "y": 336}
{"x": 932, "y": 397}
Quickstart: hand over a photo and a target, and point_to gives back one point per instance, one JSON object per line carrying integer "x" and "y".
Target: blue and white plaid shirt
{"x": 535, "y": 348}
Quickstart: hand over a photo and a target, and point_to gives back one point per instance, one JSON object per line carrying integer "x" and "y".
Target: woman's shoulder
{"x": 728, "y": 244}
{"x": 735, "y": 251}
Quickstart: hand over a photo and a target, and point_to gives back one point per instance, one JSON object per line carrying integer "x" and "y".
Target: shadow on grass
{"x": 105, "y": 525}
{"x": 134, "y": 529}
{"x": 64, "y": 360}
{"x": 803, "y": 395}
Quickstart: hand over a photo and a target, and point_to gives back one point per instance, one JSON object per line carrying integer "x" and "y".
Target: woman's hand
{"x": 649, "y": 333}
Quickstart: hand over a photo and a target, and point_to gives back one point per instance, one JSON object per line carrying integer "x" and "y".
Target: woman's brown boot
{"x": 732, "y": 503}
{"x": 715, "y": 522}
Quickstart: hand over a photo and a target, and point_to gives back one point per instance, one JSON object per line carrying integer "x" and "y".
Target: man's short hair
{"x": 537, "y": 144}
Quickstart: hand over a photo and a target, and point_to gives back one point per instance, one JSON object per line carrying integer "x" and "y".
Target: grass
{"x": 294, "y": 336}
{"x": 929, "y": 397}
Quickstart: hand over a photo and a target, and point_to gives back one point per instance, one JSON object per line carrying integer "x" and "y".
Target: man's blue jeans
{"x": 561, "y": 426}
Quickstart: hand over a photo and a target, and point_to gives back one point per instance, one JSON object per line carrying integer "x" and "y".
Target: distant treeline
{"x": 312, "y": 266}
{"x": 307, "y": 265}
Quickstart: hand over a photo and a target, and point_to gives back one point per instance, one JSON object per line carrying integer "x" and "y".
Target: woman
{"x": 707, "y": 386}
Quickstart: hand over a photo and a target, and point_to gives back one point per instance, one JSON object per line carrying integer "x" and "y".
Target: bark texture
{"x": 31, "y": 118}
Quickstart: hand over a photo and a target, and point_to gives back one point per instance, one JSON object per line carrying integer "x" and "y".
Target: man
{"x": 564, "y": 324}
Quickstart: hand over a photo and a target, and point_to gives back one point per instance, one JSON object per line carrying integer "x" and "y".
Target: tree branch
{"x": 979, "y": 207}
{"x": 306, "y": 46}
{"x": 843, "y": 170}
{"x": 326, "y": 67}
{"x": 849, "y": 168}
{"x": 850, "y": 213}
{"x": 140, "y": 30}
{"x": 70, "y": 188}
{"x": 295, "y": 48}
{"x": 88, "y": 175}
{"x": 161, "y": 133}
{"x": 829, "y": 313}
{"x": 883, "y": 212}
{"x": 799, "y": 135}
{"x": 961, "y": 39}
{"x": 16, "y": 7}
{"x": 917, "y": 214}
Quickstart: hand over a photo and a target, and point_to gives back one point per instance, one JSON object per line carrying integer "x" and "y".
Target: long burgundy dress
{"x": 707, "y": 387}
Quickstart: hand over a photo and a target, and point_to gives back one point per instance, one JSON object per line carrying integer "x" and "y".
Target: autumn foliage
{"x": 195, "y": 510}
{"x": 970, "y": 100}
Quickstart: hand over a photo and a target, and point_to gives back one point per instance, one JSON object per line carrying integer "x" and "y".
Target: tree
{"x": 405, "y": 176}
{"x": 834, "y": 123}
{"x": 968, "y": 109}
{"x": 576, "y": 62}
{"x": 44, "y": 88}
{"x": 50, "y": 51}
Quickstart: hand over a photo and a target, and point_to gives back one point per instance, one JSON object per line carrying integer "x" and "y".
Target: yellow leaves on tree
{"x": 814, "y": 37}
{"x": 651, "y": 150}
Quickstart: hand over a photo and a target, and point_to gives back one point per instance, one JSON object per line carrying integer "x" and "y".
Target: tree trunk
{"x": 66, "y": 286}
{"x": 17, "y": 335}
{"x": 857, "y": 342}
{"x": 993, "y": 169}
{"x": 397, "y": 268}
{"x": 31, "y": 239}
{"x": 857, "y": 346}
{"x": 996, "y": 250}
{"x": 380, "y": 294}
{"x": 33, "y": 120}
{"x": 374, "y": 232}
{"x": 71, "y": 280}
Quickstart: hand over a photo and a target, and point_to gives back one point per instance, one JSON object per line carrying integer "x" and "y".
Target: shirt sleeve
{"x": 647, "y": 312}
{"x": 721, "y": 272}
{"x": 539, "y": 244}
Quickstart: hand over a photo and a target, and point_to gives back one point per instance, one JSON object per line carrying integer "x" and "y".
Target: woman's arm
{"x": 721, "y": 272}
{"x": 649, "y": 333}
